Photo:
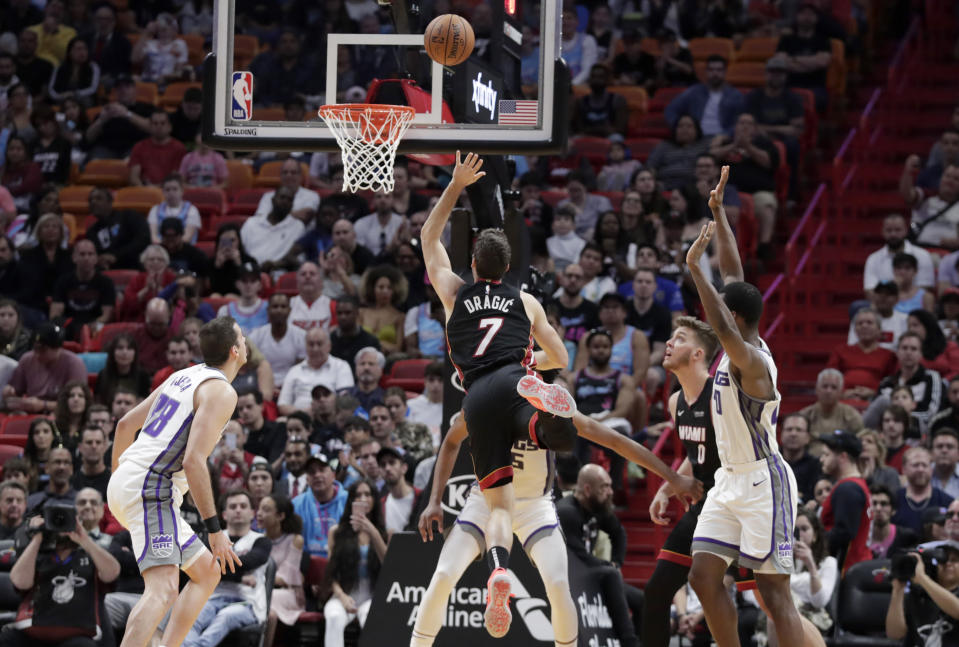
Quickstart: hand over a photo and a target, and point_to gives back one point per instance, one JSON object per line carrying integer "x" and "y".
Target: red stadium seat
{"x": 408, "y": 374}
{"x": 96, "y": 343}
{"x": 18, "y": 425}
{"x": 8, "y": 452}
{"x": 286, "y": 284}
{"x": 245, "y": 201}
{"x": 210, "y": 202}
{"x": 313, "y": 576}
{"x": 218, "y": 302}
{"x": 120, "y": 278}
{"x": 20, "y": 440}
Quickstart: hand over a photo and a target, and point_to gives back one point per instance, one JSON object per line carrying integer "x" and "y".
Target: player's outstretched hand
{"x": 467, "y": 170}
{"x": 687, "y": 489}
{"x": 222, "y": 549}
{"x": 716, "y": 195}
{"x": 432, "y": 512}
{"x": 658, "y": 507}
{"x": 698, "y": 248}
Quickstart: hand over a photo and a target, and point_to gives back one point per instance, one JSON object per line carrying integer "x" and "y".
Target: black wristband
{"x": 212, "y": 524}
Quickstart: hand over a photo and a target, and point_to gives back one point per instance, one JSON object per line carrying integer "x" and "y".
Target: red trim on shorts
{"x": 532, "y": 428}
{"x": 675, "y": 558}
{"x": 746, "y": 585}
{"x": 494, "y": 477}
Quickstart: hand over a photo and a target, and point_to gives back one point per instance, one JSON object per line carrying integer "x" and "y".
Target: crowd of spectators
{"x": 329, "y": 288}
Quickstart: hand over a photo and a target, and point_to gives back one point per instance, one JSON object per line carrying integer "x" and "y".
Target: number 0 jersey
{"x": 745, "y": 426}
{"x": 160, "y": 446}
{"x": 488, "y": 328}
{"x": 695, "y": 425}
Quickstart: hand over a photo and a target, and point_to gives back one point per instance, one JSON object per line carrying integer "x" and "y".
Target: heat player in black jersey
{"x": 490, "y": 329}
{"x": 688, "y": 354}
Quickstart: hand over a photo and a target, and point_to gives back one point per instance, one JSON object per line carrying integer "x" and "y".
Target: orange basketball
{"x": 449, "y": 39}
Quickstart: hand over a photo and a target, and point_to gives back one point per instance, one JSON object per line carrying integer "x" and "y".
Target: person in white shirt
{"x": 249, "y": 310}
{"x": 305, "y": 202}
{"x": 885, "y": 296}
{"x": 879, "y": 264}
{"x": 596, "y": 284}
{"x": 586, "y": 206}
{"x": 282, "y": 345}
{"x": 377, "y": 231}
{"x": 398, "y": 503}
{"x": 564, "y": 245}
{"x": 319, "y": 368}
{"x": 310, "y": 309}
{"x": 270, "y": 237}
{"x": 174, "y": 206}
{"x": 580, "y": 51}
{"x": 428, "y": 406}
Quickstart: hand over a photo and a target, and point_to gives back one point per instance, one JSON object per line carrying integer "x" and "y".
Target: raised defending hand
{"x": 222, "y": 549}
{"x": 467, "y": 170}
{"x": 716, "y": 195}
{"x": 432, "y": 512}
{"x": 698, "y": 248}
{"x": 687, "y": 489}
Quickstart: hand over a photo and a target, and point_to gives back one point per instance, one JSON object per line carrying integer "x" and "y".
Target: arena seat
{"x": 313, "y": 576}
{"x": 286, "y": 284}
{"x": 96, "y": 343}
{"x": 137, "y": 198}
{"x": 749, "y": 74}
{"x": 758, "y": 49}
{"x": 209, "y": 201}
{"x": 146, "y": 92}
{"x": 269, "y": 175}
{"x": 105, "y": 172}
{"x": 703, "y": 48}
{"x": 636, "y": 97}
{"x": 641, "y": 147}
{"x": 218, "y": 302}
{"x": 245, "y": 202}
{"x": 408, "y": 374}
{"x": 20, "y": 440}
{"x": 76, "y": 199}
{"x": 859, "y": 617}
{"x": 8, "y": 452}
{"x": 173, "y": 94}
{"x": 240, "y": 175}
{"x": 18, "y": 425}
{"x": 245, "y": 49}
{"x": 663, "y": 96}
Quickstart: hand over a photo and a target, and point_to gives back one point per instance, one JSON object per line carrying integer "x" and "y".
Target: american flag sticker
{"x": 514, "y": 112}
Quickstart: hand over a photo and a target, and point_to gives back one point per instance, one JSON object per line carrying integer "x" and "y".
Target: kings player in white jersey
{"x": 749, "y": 513}
{"x": 178, "y": 424}
{"x": 534, "y": 521}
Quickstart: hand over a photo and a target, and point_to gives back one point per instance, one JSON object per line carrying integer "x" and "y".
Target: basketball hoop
{"x": 368, "y": 135}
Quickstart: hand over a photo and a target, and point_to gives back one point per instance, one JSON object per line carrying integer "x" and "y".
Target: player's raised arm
{"x": 127, "y": 428}
{"x": 438, "y": 267}
{"x": 553, "y": 353}
{"x": 730, "y": 265}
{"x": 687, "y": 488}
{"x": 215, "y": 403}
{"x": 743, "y": 355}
{"x": 442, "y": 468}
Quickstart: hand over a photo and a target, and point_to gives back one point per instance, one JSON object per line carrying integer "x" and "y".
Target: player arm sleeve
{"x": 251, "y": 561}
{"x": 617, "y": 538}
{"x": 572, "y": 526}
{"x": 847, "y": 504}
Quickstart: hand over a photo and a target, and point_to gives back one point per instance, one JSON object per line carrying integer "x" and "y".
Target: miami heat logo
{"x": 65, "y": 585}
{"x": 162, "y": 546}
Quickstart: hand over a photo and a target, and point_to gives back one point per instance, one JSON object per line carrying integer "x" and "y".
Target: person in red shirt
{"x": 865, "y": 363}
{"x": 178, "y": 358}
{"x": 847, "y": 511}
{"x": 157, "y": 156}
{"x": 153, "y": 336}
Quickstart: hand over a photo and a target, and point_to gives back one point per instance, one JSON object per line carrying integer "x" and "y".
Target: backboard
{"x": 510, "y": 96}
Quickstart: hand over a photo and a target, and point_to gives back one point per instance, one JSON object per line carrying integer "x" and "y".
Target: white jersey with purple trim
{"x": 745, "y": 426}
{"x": 533, "y": 470}
{"x": 160, "y": 445}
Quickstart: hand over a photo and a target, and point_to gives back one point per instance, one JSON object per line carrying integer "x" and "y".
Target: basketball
{"x": 449, "y": 39}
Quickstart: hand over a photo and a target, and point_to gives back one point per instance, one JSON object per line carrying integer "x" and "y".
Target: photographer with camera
{"x": 924, "y": 607}
{"x": 64, "y": 570}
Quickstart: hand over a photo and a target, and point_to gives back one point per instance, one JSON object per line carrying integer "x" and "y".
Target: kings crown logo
{"x": 162, "y": 545}
{"x": 784, "y": 552}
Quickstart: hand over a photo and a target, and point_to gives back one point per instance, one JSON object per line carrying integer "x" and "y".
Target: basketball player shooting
{"x": 179, "y": 425}
{"x": 749, "y": 513}
{"x": 490, "y": 328}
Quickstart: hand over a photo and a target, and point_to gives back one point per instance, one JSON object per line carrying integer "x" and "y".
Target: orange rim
{"x": 369, "y": 117}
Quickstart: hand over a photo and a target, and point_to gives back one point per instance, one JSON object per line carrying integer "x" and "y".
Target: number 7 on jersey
{"x": 493, "y": 324}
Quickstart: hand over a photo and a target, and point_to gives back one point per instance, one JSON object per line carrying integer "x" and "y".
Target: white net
{"x": 368, "y": 136}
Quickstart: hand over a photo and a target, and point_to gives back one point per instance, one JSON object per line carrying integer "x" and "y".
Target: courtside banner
{"x": 408, "y": 568}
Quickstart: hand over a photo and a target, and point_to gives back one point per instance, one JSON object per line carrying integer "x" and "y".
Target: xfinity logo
{"x": 456, "y": 493}
{"x": 484, "y": 95}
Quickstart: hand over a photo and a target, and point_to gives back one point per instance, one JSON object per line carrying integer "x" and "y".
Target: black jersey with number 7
{"x": 489, "y": 328}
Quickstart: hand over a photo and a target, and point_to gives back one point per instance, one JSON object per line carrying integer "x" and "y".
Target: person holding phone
{"x": 357, "y": 546}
